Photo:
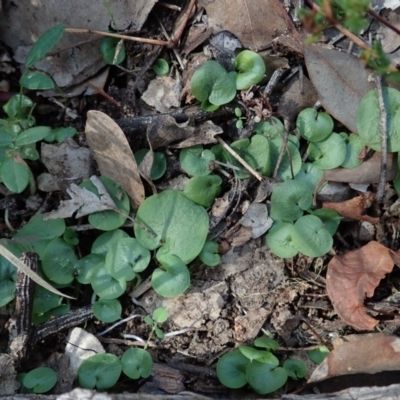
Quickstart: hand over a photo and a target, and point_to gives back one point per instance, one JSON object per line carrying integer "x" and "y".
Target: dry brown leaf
{"x": 354, "y": 354}
{"x": 253, "y": 22}
{"x": 367, "y": 172}
{"x": 113, "y": 154}
{"x": 354, "y": 208}
{"x": 353, "y": 277}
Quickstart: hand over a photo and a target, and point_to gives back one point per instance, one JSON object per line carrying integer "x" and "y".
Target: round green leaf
{"x": 18, "y": 105}
{"x": 280, "y": 240}
{"x": 44, "y": 300}
{"x": 108, "y": 47}
{"x": 34, "y": 80}
{"x": 125, "y": 258}
{"x": 251, "y": 69}
{"x": 314, "y": 126}
{"x": 60, "y": 134}
{"x": 309, "y": 174}
{"x": 311, "y": 237}
{"x": 39, "y": 229}
{"x": 266, "y": 342}
{"x": 289, "y": 199}
{"x": 209, "y": 254}
{"x": 86, "y": 266}
{"x": 102, "y": 244}
{"x": 40, "y": 380}
{"x": 318, "y": 355}
{"x": 44, "y": 44}
{"x": 137, "y": 363}
{"x": 8, "y": 277}
{"x": 100, "y": 371}
{"x": 174, "y": 277}
{"x": 194, "y": 160}
{"x": 107, "y": 310}
{"x": 368, "y": 117}
{"x": 354, "y": 147}
{"x": 263, "y": 380}
{"x": 176, "y": 222}
{"x": 59, "y": 262}
{"x": 29, "y": 152}
{"x": 291, "y": 161}
{"x": 71, "y": 237}
{"x": 159, "y": 163}
{"x": 211, "y": 82}
{"x": 160, "y": 315}
{"x": 330, "y": 218}
{"x": 14, "y": 172}
{"x": 271, "y": 129}
{"x": 296, "y": 369}
{"x": 203, "y": 190}
{"x": 231, "y": 369}
{"x": 109, "y": 219}
{"x": 104, "y": 285}
{"x": 329, "y": 153}
{"x": 261, "y": 356}
{"x": 161, "y": 67}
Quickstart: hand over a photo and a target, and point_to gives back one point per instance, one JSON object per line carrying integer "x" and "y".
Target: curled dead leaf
{"x": 354, "y": 276}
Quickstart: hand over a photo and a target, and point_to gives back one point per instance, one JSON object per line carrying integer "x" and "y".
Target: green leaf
{"x": 60, "y": 134}
{"x": 173, "y": 279}
{"x": 6, "y": 139}
{"x": 310, "y": 175}
{"x": 108, "y": 48}
{"x": 314, "y": 126}
{"x": 318, "y": 355}
{"x": 104, "y": 285}
{"x": 280, "y": 240}
{"x": 86, "y": 266}
{"x": 262, "y": 380}
{"x": 160, "y": 315}
{"x": 57, "y": 311}
{"x": 43, "y": 45}
{"x": 100, "y": 371}
{"x": 8, "y": 277}
{"x": 107, "y": 310}
{"x": 354, "y": 146}
{"x": 296, "y": 369}
{"x": 18, "y": 105}
{"x": 125, "y": 258}
{"x": 149, "y": 321}
{"x": 32, "y": 135}
{"x": 39, "y": 229}
{"x": 71, "y": 237}
{"x": 103, "y": 243}
{"x": 137, "y": 363}
{"x": 108, "y": 220}
{"x": 34, "y": 80}
{"x": 14, "y": 172}
{"x": 291, "y": 161}
{"x": 159, "y": 163}
{"x": 59, "y": 262}
{"x": 330, "y": 218}
{"x": 271, "y": 129}
{"x": 41, "y": 380}
{"x": 231, "y": 369}
{"x": 176, "y": 222}
{"x": 289, "y": 199}
{"x": 368, "y": 117}
{"x": 310, "y": 236}
{"x": 194, "y": 160}
{"x": 161, "y": 67}
{"x": 329, "y": 153}
{"x": 29, "y": 152}
{"x": 209, "y": 254}
{"x": 266, "y": 342}
{"x": 211, "y": 82}
{"x": 203, "y": 190}
{"x": 261, "y": 356}
{"x": 44, "y": 300}
{"x": 251, "y": 69}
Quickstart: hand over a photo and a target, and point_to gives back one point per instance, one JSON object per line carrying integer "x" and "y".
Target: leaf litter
{"x": 251, "y": 289}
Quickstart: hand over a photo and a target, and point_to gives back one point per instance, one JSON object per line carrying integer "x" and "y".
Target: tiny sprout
{"x": 40, "y": 380}
{"x": 161, "y": 67}
{"x": 314, "y": 126}
{"x": 251, "y": 69}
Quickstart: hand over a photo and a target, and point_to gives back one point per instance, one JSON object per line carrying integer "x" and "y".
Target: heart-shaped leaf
{"x": 314, "y": 126}
{"x": 209, "y": 254}
{"x": 251, "y": 69}
{"x": 263, "y": 379}
{"x": 328, "y": 153}
{"x": 309, "y": 174}
{"x": 107, "y": 310}
{"x": 291, "y": 160}
{"x": 137, "y": 363}
{"x": 354, "y": 147}
{"x": 203, "y": 189}
{"x": 194, "y": 160}
{"x": 231, "y": 369}
{"x": 104, "y": 285}
{"x": 280, "y": 240}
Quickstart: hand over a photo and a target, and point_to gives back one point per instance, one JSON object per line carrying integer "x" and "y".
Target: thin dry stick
{"x": 383, "y": 20}
{"x": 240, "y": 159}
{"x": 383, "y": 135}
{"x": 118, "y": 36}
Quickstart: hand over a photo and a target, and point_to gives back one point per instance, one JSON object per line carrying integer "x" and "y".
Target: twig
{"x": 118, "y": 36}
{"x": 384, "y": 21}
{"x": 383, "y": 136}
{"x": 240, "y": 159}
{"x": 100, "y": 91}
{"x": 182, "y": 21}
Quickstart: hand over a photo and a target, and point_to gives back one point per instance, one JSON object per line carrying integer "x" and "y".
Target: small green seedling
{"x": 209, "y": 254}
{"x": 160, "y": 315}
{"x": 354, "y": 147}
{"x": 251, "y": 69}
{"x": 107, "y": 310}
{"x": 318, "y": 355}
{"x": 112, "y": 50}
{"x": 195, "y": 161}
{"x": 212, "y": 85}
{"x": 295, "y": 369}
{"x": 161, "y": 67}
{"x": 104, "y": 285}
{"x": 137, "y": 363}
{"x": 203, "y": 190}
{"x": 271, "y": 129}
{"x": 280, "y": 240}
{"x": 314, "y": 126}
{"x": 240, "y": 119}
{"x": 40, "y": 380}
